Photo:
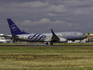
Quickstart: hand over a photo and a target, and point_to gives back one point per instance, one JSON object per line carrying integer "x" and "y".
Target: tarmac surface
{"x": 47, "y": 45}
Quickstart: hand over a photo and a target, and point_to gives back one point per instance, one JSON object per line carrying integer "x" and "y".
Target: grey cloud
{"x": 42, "y": 15}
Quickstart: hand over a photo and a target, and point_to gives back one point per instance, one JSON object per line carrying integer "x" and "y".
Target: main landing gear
{"x": 51, "y": 43}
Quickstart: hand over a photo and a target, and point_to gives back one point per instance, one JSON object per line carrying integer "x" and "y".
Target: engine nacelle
{"x": 63, "y": 39}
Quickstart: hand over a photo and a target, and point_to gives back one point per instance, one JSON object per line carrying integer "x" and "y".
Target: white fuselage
{"x": 63, "y": 36}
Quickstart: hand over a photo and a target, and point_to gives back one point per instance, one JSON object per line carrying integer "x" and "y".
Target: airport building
{"x": 90, "y": 37}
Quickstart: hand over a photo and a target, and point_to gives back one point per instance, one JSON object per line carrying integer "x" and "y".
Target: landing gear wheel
{"x": 51, "y": 43}
{"x": 46, "y": 43}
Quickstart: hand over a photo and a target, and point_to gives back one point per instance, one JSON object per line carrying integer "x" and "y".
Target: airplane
{"x": 4, "y": 39}
{"x": 52, "y": 37}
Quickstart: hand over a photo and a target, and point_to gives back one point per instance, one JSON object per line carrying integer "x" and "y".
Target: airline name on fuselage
{"x": 69, "y": 33}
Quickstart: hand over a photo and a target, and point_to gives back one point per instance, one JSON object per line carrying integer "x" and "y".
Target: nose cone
{"x": 85, "y": 36}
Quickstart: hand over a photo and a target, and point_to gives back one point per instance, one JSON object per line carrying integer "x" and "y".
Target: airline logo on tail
{"x": 13, "y": 27}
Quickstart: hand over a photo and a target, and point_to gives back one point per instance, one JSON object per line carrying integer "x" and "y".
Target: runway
{"x": 46, "y": 45}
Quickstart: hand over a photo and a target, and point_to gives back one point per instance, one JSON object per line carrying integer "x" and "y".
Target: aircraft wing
{"x": 55, "y": 38}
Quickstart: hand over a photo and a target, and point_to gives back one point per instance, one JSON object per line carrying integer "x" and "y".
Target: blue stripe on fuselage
{"x": 71, "y": 37}
{"x": 32, "y": 36}
{"x": 43, "y": 36}
{"x": 37, "y": 37}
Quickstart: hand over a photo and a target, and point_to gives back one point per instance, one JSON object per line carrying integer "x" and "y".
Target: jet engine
{"x": 62, "y": 39}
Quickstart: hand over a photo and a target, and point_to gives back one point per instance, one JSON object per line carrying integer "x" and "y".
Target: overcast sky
{"x": 38, "y": 16}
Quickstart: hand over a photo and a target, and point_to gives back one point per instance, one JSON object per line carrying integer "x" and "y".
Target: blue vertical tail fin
{"x": 14, "y": 29}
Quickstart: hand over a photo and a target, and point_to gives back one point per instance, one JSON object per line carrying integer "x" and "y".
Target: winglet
{"x": 52, "y": 32}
